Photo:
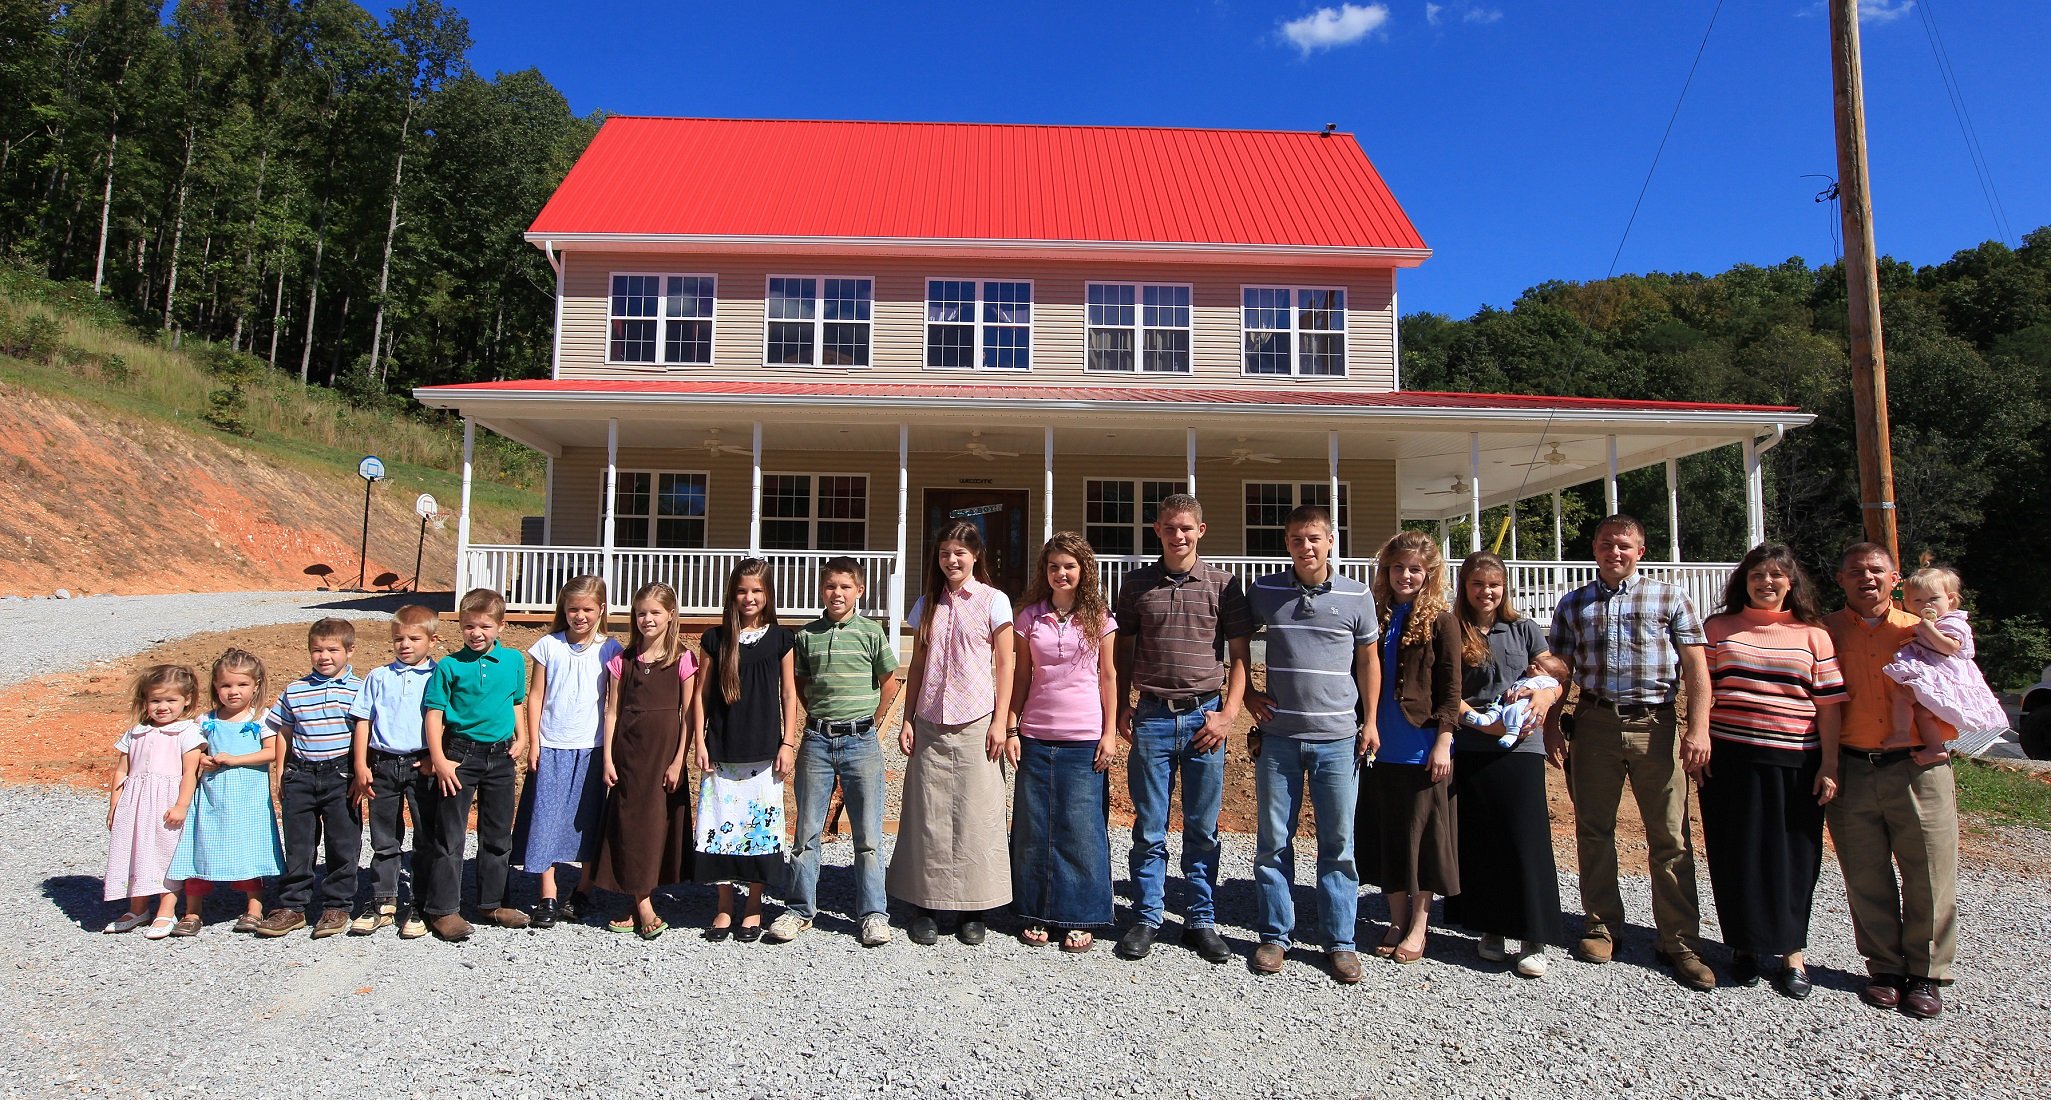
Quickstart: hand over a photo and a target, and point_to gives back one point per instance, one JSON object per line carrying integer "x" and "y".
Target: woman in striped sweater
{"x": 1773, "y": 724}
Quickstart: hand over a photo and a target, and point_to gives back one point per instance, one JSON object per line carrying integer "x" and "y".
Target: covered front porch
{"x": 679, "y": 482}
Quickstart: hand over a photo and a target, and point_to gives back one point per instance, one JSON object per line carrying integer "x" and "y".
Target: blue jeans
{"x": 1160, "y": 747}
{"x": 858, "y": 760}
{"x": 1334, "y": 778}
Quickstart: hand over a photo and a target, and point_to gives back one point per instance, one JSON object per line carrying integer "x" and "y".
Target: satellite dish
{"x": 424, "y": 506}
{"x": 371, "y": 468}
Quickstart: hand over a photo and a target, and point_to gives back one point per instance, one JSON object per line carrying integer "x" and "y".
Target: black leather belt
{"x": 1182, "y": 706}
{"x": 1627, "y": 711}
{"x": 1877, "y": 759}
{"x": 853, "y": 727}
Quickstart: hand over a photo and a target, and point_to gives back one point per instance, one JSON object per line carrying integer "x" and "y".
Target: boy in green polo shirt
{"x": 471, "y": 723}
{"x": 846, "y": 667}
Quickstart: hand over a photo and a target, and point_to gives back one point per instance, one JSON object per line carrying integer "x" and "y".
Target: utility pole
{"x": 1862, "y": 281}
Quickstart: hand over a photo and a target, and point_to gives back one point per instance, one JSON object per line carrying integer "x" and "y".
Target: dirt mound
{"x": 106, "y": 502}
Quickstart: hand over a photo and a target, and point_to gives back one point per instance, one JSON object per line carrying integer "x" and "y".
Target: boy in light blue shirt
{"x": 387, "y": 752}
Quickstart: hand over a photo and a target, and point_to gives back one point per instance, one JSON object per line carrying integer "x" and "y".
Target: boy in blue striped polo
{"x": 313, "y": 714}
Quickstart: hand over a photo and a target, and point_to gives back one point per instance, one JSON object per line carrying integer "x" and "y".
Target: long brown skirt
{"x": 952, "y": 853}
{"x": 646, "y": 842}
{"x": 1404, "y": 833}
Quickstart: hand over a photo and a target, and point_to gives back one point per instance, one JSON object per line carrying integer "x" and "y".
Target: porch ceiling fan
{"x": 1460, "y": 488}
{"x": 1553, "y": 458}
{"x": 976, "y": 448}
{"x": 1243, "y": 454}
{"x": 716, "y": 446}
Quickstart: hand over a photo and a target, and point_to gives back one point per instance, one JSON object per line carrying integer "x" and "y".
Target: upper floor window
{"x": 1118, "y": 516}
{"x": 659, "y": 509}
{"x": 972, "y": 324}
{"x": 661, "y": 319}
{"x": 1137, "y": 327}
{"x": 1294, "y": 330}
{"x": 1268, "y": 504}
{"x": 818, "y": 322}
{"x": 815, "y": 512}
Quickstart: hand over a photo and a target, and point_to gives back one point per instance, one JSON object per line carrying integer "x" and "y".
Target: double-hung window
{"x": 659, "y": 509}
{"x": 660, "y": 319}
{"x": 815, "y": 512}
{"x": 974, "y": 324}
{"x": 1138, "y": 328}
{"x": 1294, "y": 330}
{"x": 818, "y": 321}
{"x": 1118, "y": 515}
{"x": 1268, "y": 504}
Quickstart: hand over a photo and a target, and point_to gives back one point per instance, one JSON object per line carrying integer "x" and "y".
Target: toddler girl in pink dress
{"x": 1939, "y": 681}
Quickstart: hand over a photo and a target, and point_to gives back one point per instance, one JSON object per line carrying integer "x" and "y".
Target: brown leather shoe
{"x": 280, "y": 922}
{"x": 450, "y": 927}
{"x": 1883, "y": 991}
{"x": 1345, "y": 966}
{"x": 1921, "y": 1000}
{"x": 1595, "y": 948}
{"x": 332, "y": 922}
{"x": 508, "y": 917}
{"x": 1689, "y": 969}
{"x": 1267, "y": 959}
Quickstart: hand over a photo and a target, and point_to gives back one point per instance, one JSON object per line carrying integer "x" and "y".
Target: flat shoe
{"x": 972, "y": 932}
{"x": 187, "y": 927}
{"x": 126, "y": 922}
{"x": 1793, "y": 983}
{"x": 719, "y": 933}
{"x": 748, "y": 933}
{"x": 159, "y": 928}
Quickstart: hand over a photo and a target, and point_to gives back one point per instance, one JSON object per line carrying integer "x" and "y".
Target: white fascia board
{"x": 1399, "y": 257}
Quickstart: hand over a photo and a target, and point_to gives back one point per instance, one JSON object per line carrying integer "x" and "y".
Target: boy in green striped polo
{"x": 846, "y": 666}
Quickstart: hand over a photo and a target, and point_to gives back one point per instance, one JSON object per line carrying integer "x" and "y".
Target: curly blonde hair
{"x": 1091, "y": 609}
{"x": 1431, "y": 600}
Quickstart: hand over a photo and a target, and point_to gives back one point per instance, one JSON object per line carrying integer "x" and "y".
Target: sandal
{"x": 159, "y": 928}
{"x": 1387, "y": 948}
{"x": 126, "y": 922}
{"x": 1078, "y": 941}
{"x": 623, "y": 925}
{"x": 187, "y": 927}
{"x": 1406, "y": 956}
{"x": 649, "y": 932}
{"x": 1034, "y": 935}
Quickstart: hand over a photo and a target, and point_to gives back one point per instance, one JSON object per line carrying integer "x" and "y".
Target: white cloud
{"x": 1481, "y": 15}
{"x": 1436, "y": 14}
{"x": 1431, "y": 13}
{"x": 1884, "y": 11}
{"x": 1340, "y": 26}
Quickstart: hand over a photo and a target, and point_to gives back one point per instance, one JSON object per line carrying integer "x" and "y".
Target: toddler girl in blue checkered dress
{"x": 231, "y": 836}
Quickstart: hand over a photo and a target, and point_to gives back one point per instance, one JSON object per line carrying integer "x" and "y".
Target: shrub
{"x": 117, "y": 371}
{"x": 40, "y": 338}
{"x": 2012, "y": 652}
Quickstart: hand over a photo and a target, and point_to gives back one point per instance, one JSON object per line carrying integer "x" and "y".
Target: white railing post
{"x": 897, "y": 572}
{"x": 463, "y": 509}
{"x": 1755, "y": 496}
{"x": 1559, "y": 541}
{"x": 608, "y": 543}
{"x": 755, "y": 495}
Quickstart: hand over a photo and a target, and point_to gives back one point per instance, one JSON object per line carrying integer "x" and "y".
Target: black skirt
{"x": 1763, "y": 834}
{"x": 1509, "y": 885}
{"x": 1405, "y": 838}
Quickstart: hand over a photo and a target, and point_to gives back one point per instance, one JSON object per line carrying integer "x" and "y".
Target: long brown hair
{"x": 244, "y": 662}
{"x": 1801, "y": 597}
{"x": 176, "y": 677}
{"x": 673, "y": 637}
{"x": 730, "y": 623}
{"x": 1091, "y": 609}
{"x": 1474, "y": 640}
{"x": 961, "y": 531}
{"x": 583, "y": 585}
{"x": 1431, "y": 600}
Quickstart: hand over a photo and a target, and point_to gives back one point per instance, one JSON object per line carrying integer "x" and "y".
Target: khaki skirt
{"x": 952, "y": 853}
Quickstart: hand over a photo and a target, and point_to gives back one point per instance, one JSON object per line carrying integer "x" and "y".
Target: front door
{"x": 999, "y": 516}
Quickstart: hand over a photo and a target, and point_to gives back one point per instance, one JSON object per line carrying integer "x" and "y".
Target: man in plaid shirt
{"x": 1629, "y": 642}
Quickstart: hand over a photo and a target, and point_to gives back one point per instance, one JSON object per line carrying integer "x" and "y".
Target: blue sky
{"x": 1516, "y": 134}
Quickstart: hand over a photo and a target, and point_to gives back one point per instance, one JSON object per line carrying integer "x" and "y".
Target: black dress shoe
{"x": 748, "y": 933}
{"x": 923, "y": 929}
{"x": 1745, "y": 969}
{"x": 1136, "y": 942}
{"x": 574, "y": 907}
{"x": 1207, "y": 943}
{"x": 972, "y": 931}
{"x": 1793, "y": 983}
{"x": 545, "y": 913}
{"x": 719, "y": 933}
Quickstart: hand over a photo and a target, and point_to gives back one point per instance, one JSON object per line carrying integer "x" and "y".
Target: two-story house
{"x": 795, "y": 339}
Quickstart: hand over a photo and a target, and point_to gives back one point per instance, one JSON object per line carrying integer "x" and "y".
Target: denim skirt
{"x": 1060, "y": 835}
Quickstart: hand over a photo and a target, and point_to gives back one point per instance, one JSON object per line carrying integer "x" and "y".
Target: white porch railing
{"x": 530, "y": 576}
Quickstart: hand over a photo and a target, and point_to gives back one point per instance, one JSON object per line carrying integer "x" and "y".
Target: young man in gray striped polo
{"x": 1317, "y": 720}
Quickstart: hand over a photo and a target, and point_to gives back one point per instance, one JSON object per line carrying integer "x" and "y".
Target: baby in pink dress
{"x": 1939, "y": 681}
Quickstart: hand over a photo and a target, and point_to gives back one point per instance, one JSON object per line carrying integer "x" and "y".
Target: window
{"x": 1135, "y": 327}
{"x": 1118, "y": 516}
{"x": 657, "y": 509}
{"x": 818, "y": 322}
{"x": 1306, "y": 340}
{"x": 1268, "y": 504}
{"x": 661, "y": 319}
{"x": 815, "y": 512}
{"x": 972, "y": 324}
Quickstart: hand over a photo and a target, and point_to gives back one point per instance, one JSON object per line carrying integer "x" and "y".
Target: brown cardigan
{"x": 1428, "y": 677}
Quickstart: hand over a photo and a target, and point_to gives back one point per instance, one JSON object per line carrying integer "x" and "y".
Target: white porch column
{"x": 1332, "y": 472}
{"x": 897, "y": 575}
{"x": 755, "y": 495}
{"x": 1047, "y": 489}
{"x": 1190, "y": 448}
{"x": 1609, "y": 484}
{"x": 463, "y": 510}
{"x": 607, "y": 537}
{"x": 1559, "y": 540}
{"x": 1673, "y": 510}
{"x": 1513, "y": 529}
{"x": 1755, "y": 495}
{"x": 547, "y": 514}
{"x": 1473, "y": 491}
{"x": 1445, "y": 539}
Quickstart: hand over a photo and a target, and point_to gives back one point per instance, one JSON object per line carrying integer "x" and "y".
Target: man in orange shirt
{"x": 1891, "y": 811}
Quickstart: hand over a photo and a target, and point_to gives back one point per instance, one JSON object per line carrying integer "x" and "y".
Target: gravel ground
{"x": 576, "y": 1010}
{"x": 111, "y": 627}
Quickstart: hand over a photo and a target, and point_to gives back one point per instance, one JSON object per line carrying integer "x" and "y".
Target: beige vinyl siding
{"x": 898, "y": 343}
{"x": 576, "y": 500}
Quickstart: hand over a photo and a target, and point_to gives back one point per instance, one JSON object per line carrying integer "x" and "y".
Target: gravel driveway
{"x": 576, "y": 1010}
{"x": 111, "y": 627}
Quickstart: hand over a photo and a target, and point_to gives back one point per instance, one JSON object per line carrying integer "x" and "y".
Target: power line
{"x": 1982, "y": 171}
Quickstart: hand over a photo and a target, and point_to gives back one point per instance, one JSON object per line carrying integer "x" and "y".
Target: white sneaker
{"x": 1492, "y": 949}
{"x": 1531, "y": 961}
{"x": 875, "y": 930}
{"x": 786, "y": 927}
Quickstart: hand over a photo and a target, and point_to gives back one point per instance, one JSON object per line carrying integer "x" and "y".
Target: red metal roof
{"x": 1402, "y": 399}
{"x": 963, "y": 181}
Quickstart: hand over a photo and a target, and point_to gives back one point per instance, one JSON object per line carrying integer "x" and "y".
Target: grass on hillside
{"x": 2003, "y": 795}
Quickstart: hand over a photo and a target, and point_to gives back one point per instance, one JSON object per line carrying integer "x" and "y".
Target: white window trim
{"x": 1139, "y": 506}
{"x": 661, "y": 320}
{"x": 812, "y": 521}
{"x": 651, "y": 515}
{"x": 1344, "y": 331}
{"x": 1296, "y": 485}
{"x": 1139, "y": 330}
{"x": 818, "y": 323}
{"x": 926, "y": 324}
